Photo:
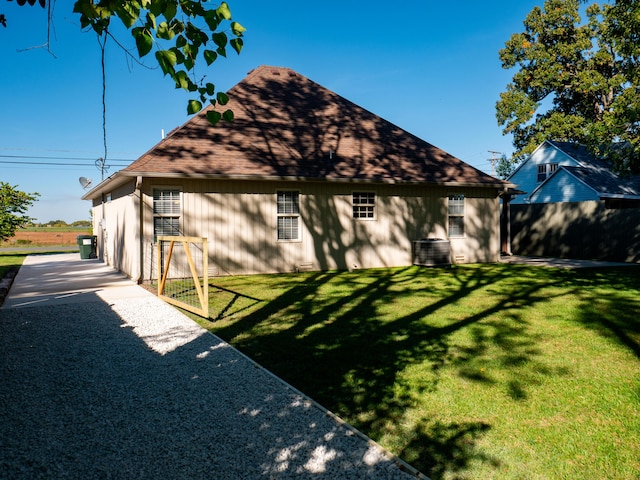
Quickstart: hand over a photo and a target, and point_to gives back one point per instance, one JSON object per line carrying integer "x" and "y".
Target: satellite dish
{"x": 85, "y": 182}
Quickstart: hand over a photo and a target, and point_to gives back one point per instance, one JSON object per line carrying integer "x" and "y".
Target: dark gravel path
{"x": 135, "y": 390}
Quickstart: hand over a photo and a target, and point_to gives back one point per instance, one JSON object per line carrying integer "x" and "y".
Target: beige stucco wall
{"x": 239, "y": 220}
{"x": 116, "y": 226}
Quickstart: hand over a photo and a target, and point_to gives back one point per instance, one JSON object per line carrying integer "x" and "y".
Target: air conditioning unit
{"x": 432, "y": 252}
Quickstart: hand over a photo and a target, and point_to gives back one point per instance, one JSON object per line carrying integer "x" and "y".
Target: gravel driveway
{"x": 132, "y": 389}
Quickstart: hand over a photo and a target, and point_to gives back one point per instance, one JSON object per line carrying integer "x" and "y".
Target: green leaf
{"x": 210, "y": 88}
{"x": 213, "y": 117}
{"x": 222, "y": 98}
{"x": 210, "y": 56}
{"x": 181, "y": 41}
{"x": 194, "y": 106}
{"x": 237, "y": 29}
{"x": 179, "y": 55}
{"x": 194, "y": 34}
{"x": 182, "y": 79}
{"x": 164, "y": 32}
{"x": 224, "y": 11}
{"x": 221, "y": 51}
{"x": 220, "y": 39}
{"x": 144, "y": 42}
{"x": 170, "y": 10}
{"x": 166, "y": 59}
{"x": 212, "y": 19}
{"x": 237, "y": 44}
{"x": 151, "y": 21}
{"x": 177, "y": 26}
{"x": 228, "y": 116}
{"x": 155, "y": 7}
{"x": 128, "y": 13}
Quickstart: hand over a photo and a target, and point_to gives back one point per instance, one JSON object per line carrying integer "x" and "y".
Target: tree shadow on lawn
{"x": 348, "y": 351}
{"x": 614, "y": 313}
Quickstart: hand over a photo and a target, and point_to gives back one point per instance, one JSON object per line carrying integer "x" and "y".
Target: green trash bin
{"x": 87, "y": 245}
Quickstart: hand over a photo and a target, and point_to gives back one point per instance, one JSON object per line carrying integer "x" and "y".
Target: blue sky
{"x": 430, "y": 67}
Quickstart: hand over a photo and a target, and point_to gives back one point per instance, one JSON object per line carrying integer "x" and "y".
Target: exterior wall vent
{"x": 432, "y": 252}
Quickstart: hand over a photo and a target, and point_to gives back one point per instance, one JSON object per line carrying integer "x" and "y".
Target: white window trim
{"x": 288, "y": 215}
{"x": 166, "y": 215}
{"x": 548, "y": 168}
{"x": 458, "y": 215}
{"x": 353, "y": 206}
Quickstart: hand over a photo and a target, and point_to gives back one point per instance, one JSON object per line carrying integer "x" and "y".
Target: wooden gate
{"x": 183, "y": 278}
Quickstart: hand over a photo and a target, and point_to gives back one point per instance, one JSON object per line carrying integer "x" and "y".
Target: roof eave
{"x": 108, "y": 184}
{"x": 285, "y": 178}
{"x": 618, "y": 196}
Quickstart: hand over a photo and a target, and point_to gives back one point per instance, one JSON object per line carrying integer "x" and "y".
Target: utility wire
{"x": 101, "y": 163}
{"x": 66, "y": 164}
{"x": 42, "y": 157}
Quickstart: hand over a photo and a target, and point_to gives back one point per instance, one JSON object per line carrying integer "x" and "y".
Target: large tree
{"x": 13, "y": 206}
{"x": 181, "y": 33}
{"x": 575, "y": 80}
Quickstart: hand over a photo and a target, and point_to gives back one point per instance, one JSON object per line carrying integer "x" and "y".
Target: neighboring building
{"x": 302, "y": 178}
{"x": 568, "y": 172}
{"x": 575, "y": 206}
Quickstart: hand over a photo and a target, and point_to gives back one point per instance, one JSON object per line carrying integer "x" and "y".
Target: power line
{"x": 56, "y": 164}
{"x": 39, "y": 157}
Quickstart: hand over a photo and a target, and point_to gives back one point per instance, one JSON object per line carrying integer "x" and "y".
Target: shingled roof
{"x": 287, "y": 126}
{"x": 597, "y": 173}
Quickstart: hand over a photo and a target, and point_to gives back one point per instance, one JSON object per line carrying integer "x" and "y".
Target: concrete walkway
{"x": 45, "y": 280}
{"x": 101, "y": 379}
{"x": 561, "y": 262}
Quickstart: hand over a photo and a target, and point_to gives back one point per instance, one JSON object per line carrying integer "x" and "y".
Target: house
{"x": 568, "y": 172}
{"x": 302, "y": 178}
{"x": 574, "y": 206}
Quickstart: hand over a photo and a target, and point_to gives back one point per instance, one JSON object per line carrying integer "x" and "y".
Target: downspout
{"x": 505, "y": 225}
{"x": 103, "y": 231}
{"x": 140, "y": 220}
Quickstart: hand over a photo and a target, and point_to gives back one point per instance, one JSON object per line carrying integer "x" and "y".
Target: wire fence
{"x": 183, "y": 277}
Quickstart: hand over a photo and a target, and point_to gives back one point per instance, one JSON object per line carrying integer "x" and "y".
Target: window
{"x": 166, "y": 212}
{"x": 364, "y": 205}
{"x": 545, "y": 170}
{"x": 288, "y": 215}
{"x": 456, "y": 215}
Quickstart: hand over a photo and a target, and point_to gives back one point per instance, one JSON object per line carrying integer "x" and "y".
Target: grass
{"x": 67, "y": 228}
{"x": 472, "y": 372}
{"x": 10, "y": 262}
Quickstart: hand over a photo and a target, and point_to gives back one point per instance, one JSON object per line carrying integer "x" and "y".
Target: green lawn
{"x": 481, "y": 371}
{"x": 9, "y": 262}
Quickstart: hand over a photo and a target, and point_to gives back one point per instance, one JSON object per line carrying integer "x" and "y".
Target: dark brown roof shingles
{"x": 289, "y": 126}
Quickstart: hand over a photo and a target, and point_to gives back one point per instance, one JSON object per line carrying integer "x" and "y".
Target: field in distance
{"x": 46, "y": 236}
